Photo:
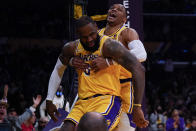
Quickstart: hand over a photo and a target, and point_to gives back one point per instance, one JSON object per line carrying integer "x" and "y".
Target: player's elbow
{"x": 141, "y": 56}
{"x": 136, "y": 48}
{"x": 143, "y": 68}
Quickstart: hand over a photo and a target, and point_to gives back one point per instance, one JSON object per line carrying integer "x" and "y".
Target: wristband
{"x": 139, "y": 105}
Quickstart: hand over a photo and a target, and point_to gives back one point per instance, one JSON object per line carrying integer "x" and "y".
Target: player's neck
{"x": 110, "y": 29}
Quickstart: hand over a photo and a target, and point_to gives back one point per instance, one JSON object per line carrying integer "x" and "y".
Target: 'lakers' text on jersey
{"x": 105, "y": 81}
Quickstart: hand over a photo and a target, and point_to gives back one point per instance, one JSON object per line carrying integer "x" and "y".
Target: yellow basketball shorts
{"x": 127, "y": 95}
{"x": 109, "y": 106}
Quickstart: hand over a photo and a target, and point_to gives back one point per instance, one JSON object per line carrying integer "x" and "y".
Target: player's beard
{"x": 94, "y": 48}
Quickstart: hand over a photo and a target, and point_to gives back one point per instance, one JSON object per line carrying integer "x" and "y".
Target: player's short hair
{"x": 84, "y": 20}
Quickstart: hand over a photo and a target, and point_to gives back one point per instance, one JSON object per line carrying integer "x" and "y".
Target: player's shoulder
{"x": 129, "y": 34}
{"x": 71, "y": 44}
{"x": 129, "y": 31}
{"x": 70, "y": 47}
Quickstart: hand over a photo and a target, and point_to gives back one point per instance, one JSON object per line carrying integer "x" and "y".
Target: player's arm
{"x": 120, "y": 54}
{"x": 113, "y": 49}
{"x": 130, "y": 39}
{"x": 57, "y": 73}
{"x": 56, "y": 76}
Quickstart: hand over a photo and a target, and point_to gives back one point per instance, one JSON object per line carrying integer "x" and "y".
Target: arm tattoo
{"x": 121, "y": 55}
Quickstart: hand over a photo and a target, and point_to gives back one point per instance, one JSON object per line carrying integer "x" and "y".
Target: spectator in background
{"x": 160, "y": 127}
{"x": 175, "y": 123}
{"x": 12, "y": 112}
{"x": 28, "y": 124}
{"x": 193, "y": 125}
{"x": 3, "y": 112}
{"x": 3, "y": 106}
{"x": 13, "y": 120}
{"x": 92, "y": 121}
{"x": 157, "y": 118}
{"x": 17, "y": 121}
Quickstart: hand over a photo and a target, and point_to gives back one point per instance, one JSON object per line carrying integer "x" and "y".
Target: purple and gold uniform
{"x": 98, "y": 92}
{"x": 125, "y": 77}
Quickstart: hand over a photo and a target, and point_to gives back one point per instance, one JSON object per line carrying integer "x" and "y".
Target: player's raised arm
{"x": 56, "y": 76}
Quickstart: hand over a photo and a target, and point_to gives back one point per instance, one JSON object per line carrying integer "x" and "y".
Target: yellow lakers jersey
{"x": 123, "y": 72}
{"x": 105, "y": 81}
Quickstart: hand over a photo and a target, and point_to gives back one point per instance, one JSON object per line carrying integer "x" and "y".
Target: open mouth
{"x": 91, "y": 44}
{"x": 112, "y": 15}
{"x": 1, "y": 113}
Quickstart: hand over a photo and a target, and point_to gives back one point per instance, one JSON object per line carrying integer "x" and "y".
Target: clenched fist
{"x": 138, "y": 117}
{"x": 51, "y": 109}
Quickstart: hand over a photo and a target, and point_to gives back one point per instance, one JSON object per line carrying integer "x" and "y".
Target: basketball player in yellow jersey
{"x": 115, "y": 29}
{"x": 97, "y": 91}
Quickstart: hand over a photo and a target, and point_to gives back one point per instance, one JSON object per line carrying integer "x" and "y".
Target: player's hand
{"x": 78, "y": 63}
{"x": 138, "y": 117}
{"x": 98, "y": 64}
{"x": 51, "y": 109}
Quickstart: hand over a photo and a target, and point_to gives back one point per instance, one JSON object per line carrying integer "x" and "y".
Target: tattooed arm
{"x": 120, "y": 54}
